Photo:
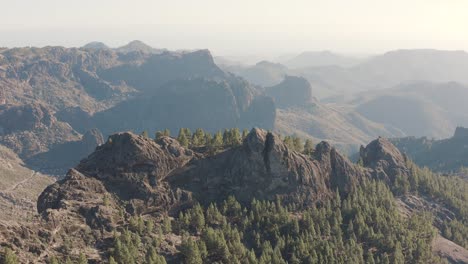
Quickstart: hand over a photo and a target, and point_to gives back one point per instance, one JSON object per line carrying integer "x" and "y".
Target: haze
{"x": 240, "y": 27}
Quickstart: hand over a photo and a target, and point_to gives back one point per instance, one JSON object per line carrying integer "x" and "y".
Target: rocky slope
{"x": 19, "y": 188}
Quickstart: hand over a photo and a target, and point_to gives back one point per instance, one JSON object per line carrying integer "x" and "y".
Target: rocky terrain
{"x": 132, "y": 175}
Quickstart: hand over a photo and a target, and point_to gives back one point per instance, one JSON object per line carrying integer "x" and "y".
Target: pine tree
{"x": 198, "y": 138}
{"x": 218, "y": 140}
{"x": 308, "y": 147}
{"x": 182, "y": 138}
{"x": 190, "y": 251}
{"x": 236, "y": 138}
{"x": 297, "y": 143}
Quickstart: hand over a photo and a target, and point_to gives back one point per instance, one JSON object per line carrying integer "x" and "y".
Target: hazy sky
{"x": 239, "y": 26}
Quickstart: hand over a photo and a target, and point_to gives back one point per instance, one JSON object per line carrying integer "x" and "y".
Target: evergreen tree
{"x": 297, "y": 143}
{"x": 198, "y": 138}
{"x": 308, "y": 147}
{"x": 182, "y": 138}
{"x": 218, "y": 140}
{"x": 190, "y": 251}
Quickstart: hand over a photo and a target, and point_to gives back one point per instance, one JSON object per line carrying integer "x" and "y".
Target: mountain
{"x": 263, "y": 73}
{"x": 31, "y": 129}
{"x": 417, "y": 108}
{"x": 388, "y": 70}
{"x": 300, "y": 113}
{"x": 445, "y": 155}
{"x": 59, "y": 77}
{"x": 292, "y": 91}
{"x": 137, "y": 46}
{"x": 96, "y": 45}
{"x": 59, "y": 94}
{"x": 319, "y": 58}
{"x": 399, "y": 66}
{"x": 132, "y": 184}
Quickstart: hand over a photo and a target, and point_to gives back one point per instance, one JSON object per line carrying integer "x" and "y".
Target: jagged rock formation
{"x": 387, "y": 161}
{"x": 163, "y": 174}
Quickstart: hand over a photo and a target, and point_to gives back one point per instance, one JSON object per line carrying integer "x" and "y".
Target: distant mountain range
{"x": 59, "y": 94}
{"x": 334, "y": 77}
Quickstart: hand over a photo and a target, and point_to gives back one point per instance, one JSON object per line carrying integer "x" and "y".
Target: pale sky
{"x": 240, "y": 26}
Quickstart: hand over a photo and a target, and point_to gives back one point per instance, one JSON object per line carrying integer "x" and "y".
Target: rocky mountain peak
{"x": 136, "y": 46}
{"x": 95, "y": 45}
{"x": 382, "y": 156}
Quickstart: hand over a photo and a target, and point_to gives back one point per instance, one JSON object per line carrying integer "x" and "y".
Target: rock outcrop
{"x": 385, "y": 159}
{"x": 154, "y": 176}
